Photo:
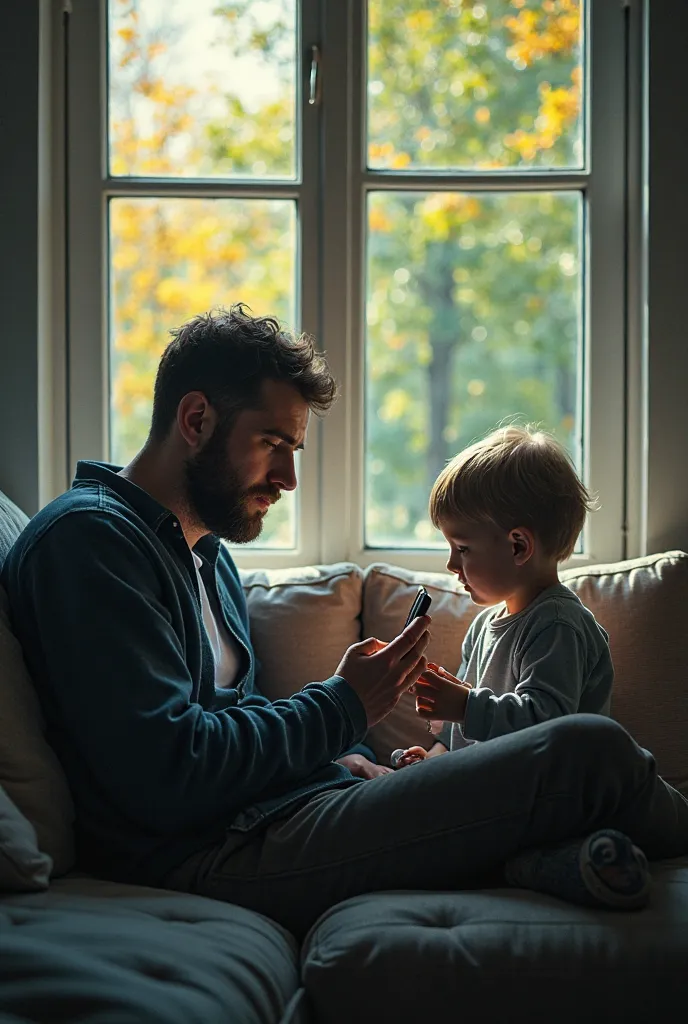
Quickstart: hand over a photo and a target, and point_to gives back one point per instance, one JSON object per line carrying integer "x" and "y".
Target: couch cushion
{"x": 642, "y": 605}
{"x": 498, "y": 955}
{"x": 302, "y": 621}
{"x": 23, "y": 868}
{"x": 12, "y": 522}
{"x": 29, "y": 769}
{"x": 95, "y": 951}
{"x": 388, "y": 592}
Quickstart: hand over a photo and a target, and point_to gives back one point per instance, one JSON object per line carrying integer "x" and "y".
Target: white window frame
{"x": 332, "y": 195}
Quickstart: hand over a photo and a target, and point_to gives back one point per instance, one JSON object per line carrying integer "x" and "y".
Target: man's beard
{"x": 217, "y": 498}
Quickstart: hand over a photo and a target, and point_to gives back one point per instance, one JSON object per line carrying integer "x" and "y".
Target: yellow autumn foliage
{"x": 174, "y": 257}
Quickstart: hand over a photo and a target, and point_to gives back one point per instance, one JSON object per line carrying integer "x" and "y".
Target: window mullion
{"x": 203, "y": 189}
{"x": 87, "y": 301}
{"x": 601, "y": 334}
{"x": 604, "y": 371}
{"x": 341, "y": 492}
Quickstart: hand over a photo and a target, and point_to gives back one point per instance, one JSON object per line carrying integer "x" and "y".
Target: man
{"x": 135, "y": 630}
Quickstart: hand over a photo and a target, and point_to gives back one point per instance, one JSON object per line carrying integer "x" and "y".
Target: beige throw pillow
{"x": 642, "y": 603}
{"x": 29, "y": 769}
{"x": 302, "y": 621}
{"x": 23, "y": 868}
{"x": 388, "y": 593}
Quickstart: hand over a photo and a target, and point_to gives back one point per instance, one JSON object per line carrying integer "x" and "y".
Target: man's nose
{"x": 283, "y": 475}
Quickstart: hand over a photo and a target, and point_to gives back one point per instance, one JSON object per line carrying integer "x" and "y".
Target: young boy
{"x": 511, "y": 508}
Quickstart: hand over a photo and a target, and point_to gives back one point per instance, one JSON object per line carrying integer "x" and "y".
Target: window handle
{"x": 314, "y": 77}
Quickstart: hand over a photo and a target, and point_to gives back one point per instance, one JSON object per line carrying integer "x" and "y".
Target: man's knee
{"x": 593, "y": 736}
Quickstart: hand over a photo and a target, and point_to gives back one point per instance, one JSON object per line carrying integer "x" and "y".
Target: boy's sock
{"x": 603, "y": 870}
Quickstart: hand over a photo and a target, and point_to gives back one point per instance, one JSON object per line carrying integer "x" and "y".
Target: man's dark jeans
{"x": 447, "y": 822}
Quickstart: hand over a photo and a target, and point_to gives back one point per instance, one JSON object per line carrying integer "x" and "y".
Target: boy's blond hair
{"x": 517, "y": 476}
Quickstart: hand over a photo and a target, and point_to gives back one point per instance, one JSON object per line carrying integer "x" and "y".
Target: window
{"x": 435, "y": 190}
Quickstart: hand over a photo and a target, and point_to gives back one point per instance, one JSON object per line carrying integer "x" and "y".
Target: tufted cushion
{"x": 388, "y": 593}
{"x": 96, "y": 951}
{"x": 302, "y": 621}
{"x": 500, "y": 955}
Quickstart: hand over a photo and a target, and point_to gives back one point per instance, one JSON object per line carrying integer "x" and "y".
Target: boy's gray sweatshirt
{"x": 549, "y": 660}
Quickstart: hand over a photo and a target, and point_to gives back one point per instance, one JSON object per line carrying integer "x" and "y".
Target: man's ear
{"x": 522, "y": 543}
{"x": 196, "y": 419}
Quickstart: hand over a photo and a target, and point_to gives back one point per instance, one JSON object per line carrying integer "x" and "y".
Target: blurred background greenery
{"x": 473, "y": 298}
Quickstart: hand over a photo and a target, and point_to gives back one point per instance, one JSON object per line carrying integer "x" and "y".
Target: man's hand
{"x": 362, "y": 768}
{"x": 438, "y": 696}
{"x": 379, "y": 673}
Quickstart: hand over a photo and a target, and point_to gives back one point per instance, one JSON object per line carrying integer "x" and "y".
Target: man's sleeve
{"x": 550, "y": 680}
{"x": 118, "y": 677}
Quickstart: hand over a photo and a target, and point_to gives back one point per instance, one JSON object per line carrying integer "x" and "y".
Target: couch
{"x": 76, "y": 948}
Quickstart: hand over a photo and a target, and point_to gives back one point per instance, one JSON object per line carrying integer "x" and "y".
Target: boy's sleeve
{"x": 467, "y": 648}
{"x": 445, "y": 733}
{"x": 551, "y": 671}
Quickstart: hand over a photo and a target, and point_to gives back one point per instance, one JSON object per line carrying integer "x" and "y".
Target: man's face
{"x": 233, "y": 479}
{"x": 482, "y": 556}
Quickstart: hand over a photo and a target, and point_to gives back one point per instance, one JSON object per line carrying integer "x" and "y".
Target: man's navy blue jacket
{"x": 104, "y": 599}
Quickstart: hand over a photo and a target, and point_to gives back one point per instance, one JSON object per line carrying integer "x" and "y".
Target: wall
{"x": 666, "y": 513}
{"x": 19, "y": 253}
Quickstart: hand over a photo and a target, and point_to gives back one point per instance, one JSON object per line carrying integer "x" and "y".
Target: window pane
{"x": 473, "y": 315}
{"x": 171, "y": 259}
{"x": 486, "y": 85}
{"x": 202, "y": 88}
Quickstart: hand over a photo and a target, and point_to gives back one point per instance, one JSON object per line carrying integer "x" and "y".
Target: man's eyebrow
{"x": 275, "y": 432}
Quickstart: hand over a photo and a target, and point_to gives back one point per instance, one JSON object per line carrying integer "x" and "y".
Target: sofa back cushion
{"x": 29, "y": 770}
{"x": 642, "y": 603}
{"x": 388, "y": 593}
{"x": 302, "y": 621}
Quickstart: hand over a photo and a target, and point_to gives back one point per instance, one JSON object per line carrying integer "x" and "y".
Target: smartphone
{"x": 420, "y": 605}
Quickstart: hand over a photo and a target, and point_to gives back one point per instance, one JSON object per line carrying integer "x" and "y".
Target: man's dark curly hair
{"x": 227, "y": 354}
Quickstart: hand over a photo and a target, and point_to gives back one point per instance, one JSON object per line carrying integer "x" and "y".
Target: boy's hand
{"x": 412, "y": 755}
{"x": 379, "y": 673}
{"x": 440, "y": 696}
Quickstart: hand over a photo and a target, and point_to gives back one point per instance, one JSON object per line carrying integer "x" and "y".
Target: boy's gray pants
{"x": 445, "y": 823}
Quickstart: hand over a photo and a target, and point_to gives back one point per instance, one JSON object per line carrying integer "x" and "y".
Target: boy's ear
{"x": 522, "y": 543}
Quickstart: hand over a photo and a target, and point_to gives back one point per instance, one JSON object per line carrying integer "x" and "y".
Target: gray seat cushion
{"x": 498, "y": 955}
{"x": 96, "y": 951}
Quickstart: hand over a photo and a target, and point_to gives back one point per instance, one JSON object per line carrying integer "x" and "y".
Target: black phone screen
{"x": 420, "y": 605}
